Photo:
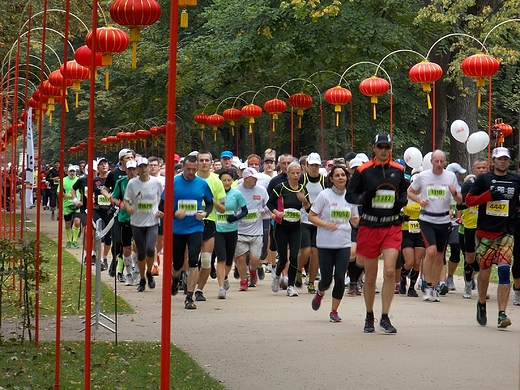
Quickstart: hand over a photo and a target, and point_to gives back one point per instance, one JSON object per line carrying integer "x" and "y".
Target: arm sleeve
{"x": 272, "y": 203}
{"x": 476, "y": 196}
{"x": 243, "y": 213}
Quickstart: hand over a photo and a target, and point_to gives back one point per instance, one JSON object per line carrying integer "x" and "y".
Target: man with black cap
{"x": 380, "y": 187}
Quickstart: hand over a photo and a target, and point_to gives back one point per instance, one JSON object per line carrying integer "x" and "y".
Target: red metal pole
{"x": 168, "y": 201}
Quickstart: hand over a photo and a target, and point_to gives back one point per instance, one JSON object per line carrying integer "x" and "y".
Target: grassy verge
{"x": 125, "y": 366}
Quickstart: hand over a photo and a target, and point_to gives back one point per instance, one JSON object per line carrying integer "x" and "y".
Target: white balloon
{"x": 413, "y": 157}
{"x": 460, "y": 130}
{"x": 426, "y": 162}
{"x": 477, "y": 142}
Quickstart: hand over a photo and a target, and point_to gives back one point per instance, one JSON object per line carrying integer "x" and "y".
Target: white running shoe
{"x": 291, "y": 291}
{"x": 450, "y": 283}
{"x": 284, "y": 282}
{"x": 275, "y": 285}
{"x": 129, "y": 280}
{"x": 516, "y": 299}
{"x": 226, "y": 284}
{"x": 221, "y": 293}
{"x": 467, "y": 290}
{"x": 435, "y": 295}
{"x": 428, "y": 295}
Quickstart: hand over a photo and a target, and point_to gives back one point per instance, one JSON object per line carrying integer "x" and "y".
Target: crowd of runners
{"x": 314, "y": 225}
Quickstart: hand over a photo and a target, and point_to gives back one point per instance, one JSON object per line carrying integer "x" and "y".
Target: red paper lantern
{"x": 232, "y": 115}
{"x": 109, "y": 41}
{"x": 83, "y": 57}
{"x": 215, "y": 120}
{"x": 300, "y": 101}
{"x": 56, "y": 79}
{"x": 142, "y": 134}
{"x": 201, "y": 119}
{"x": 251, "y": 111}
{"x": 426, "y": 73}
{"x": 53, "y": 96}
{"x": 338, "y": 96}
{"x": 136, "y": 15}
{"x": 480, "y": 66}
{"x": 374, "y": 86}
{"x": 74, "y": 74}
{"x": 274, "y": 107}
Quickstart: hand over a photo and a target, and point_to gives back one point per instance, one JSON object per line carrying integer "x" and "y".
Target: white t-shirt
{"x": 435, "y": 188}
{"x": 145, "y": 197}
{"x": 256, "y": 199}
{"x": 334, "y": 208}
{"x": 314, "y": 189}
{"x": 263, "y": 180}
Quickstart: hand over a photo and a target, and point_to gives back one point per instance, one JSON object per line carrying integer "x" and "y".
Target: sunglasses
{"x": 384, "y": 146}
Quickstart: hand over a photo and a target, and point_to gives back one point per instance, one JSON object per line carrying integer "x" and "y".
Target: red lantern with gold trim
{"x": 215, "y": 120}
{"x": 300, "y": 101}
{"x": 480, "y": 66}
{"x": 251, "y": 111}
{"x": 232, "y": 115}
{"x": 53, "y": 96}
{"x": 135, "y": 15}
{"x": 426, "y": 73}
{"x": 202, "y": 120}
{"x": 76, "y": 73}
{"x": 374, "y": 87}
{"x": 275, "y": 107}
{"x": 83, "y": 56}
{"x": 338, "y": 96}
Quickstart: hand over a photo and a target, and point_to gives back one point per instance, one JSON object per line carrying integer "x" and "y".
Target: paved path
{"x": 261, "y": 340}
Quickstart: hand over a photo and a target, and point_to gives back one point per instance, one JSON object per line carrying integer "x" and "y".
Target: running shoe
{"x": 503, "y": 321}
{"x": 377, "y": 290}
{"x": 155, "y": 270}
{"x": 481, "y": 314}
{"x": 516, "y": 299}
{"x": 199, "y": 296}
{"x": 226, "y": 284}
{"x": 260, "y": 271}
{"x": 397, "y": 288}
{"x": 120, "y": 276}
{"x": 253, "y": 278}
{"x": 311, "y": 289}
{"x": 291, "y": 292}
{"x": 151, "y": 282}
{"x": 104, "y": 264}
{"x": 318, "y": 277}
{"x": 189, "y": 304}
{"x": 142, "y": 285}
{"x": 412, "y": 293}
{"x": 299, "y": 280}
{"x": 386, "y": 326}
{"x": 435, "y": 294}
{"x": 316, "y": 301}
{"x": 68, "y": 245}
{"x": 369, "y": 324}
{"x": 243, "y": 285}
{"x": 221, "y": 293}
{"x": 129, "y": 280}
{"x": 75, "y": 244}
{"x": 428, "y": 294}
{"x": 269, "y": 268}
{"x": 236, "y": 275}
{"x": 451, "y": 283}
{"x": 213, "y": 273}
{"x": 402, "y": 286}
{"x": 284, "y": 282}
{"x": 442, "y": 288}
{"x": 352, "y": 289}
{"x": 175, "y": 285}
{"x": 473, "y": 284}
{"x": 334, "y": 317}
{"x": 467, "y": 290}
{"x": 275, "y": 285}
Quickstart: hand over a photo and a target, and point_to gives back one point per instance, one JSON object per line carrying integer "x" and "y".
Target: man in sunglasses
{"x": 380, "y": 188}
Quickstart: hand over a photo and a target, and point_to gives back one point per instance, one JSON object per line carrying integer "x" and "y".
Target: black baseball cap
{"x": 383, "y": 139}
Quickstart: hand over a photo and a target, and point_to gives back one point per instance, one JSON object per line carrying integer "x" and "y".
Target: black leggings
{"x": 194, "y": 243}
{"x": 225, "y": 245}
{"x": 145, "y": 239}
{"x": 333, "y": 264}
{"x": 288, "y": 233}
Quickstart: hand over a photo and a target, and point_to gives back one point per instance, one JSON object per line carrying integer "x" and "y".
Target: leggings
{"x": 288, "y": 233}
{"x": 333, "y": 264}
{"x": 225, "y": 245}
{"x": 194, "y": 243}
{"x": 145, "y": 239}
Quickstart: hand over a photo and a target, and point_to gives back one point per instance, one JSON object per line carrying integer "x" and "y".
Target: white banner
{"x": 29, "y": 162}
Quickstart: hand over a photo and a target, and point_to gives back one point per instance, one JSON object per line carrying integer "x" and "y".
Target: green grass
{"x": 460, "y": 268}
{"x": 126, "y": 365}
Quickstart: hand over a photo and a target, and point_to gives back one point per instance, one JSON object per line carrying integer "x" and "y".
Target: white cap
{"x": 142, "y": 161}
{"x": 500, "y": 152}
{"x": 125, "y": 152}
{"x": 456, "y": 168}
{"x": 313, "y": 158}
{"x": 355, "y": 162}
{"x": 235, "y": 161}
{"x": 363, "y": 157}
{"x": 72, "y": 168}
{"x": 249, "y": 172}
{"x": 193, "y": 153}
{"x": 131, "y": 164}
{"x": 242, "y": 166}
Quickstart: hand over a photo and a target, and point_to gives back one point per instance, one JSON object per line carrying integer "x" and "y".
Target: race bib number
{"x": 340, "y": 215}
{"x": 292, "y": 215}
{"x": 414, "y": 227}
{"x": 145, "y": 207}
{"x": 189, "y": 206}
{"x": 103, "y": 200}
{"x": 384, "y": 199}
{"x": 498, "y": 208}
{"x": 436, "y": 192}
{"x": 251, "y": 217}
{"x": 222, "y": 218}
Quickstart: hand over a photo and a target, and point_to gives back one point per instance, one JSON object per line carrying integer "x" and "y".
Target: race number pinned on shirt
{"x": 383, "y": 199}
{"x": 103, "y": 200}
{"x": 251, "y": 217}
{"x": 292, "y": 215}
{"x": 189, "y": 206}
{"x": 339, "y": 215}
{"x": 498, "y": 208}
{"x": 144, "y": 207}
{"x": 222, "y": 218}
{"x": 436, "y": 192}
{"x": 414, "y": 227}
